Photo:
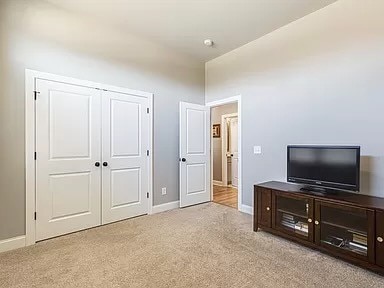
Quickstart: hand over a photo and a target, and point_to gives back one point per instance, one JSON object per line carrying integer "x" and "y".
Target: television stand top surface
{"x": 319, "y": 190}
{"x": 357, "y": 199}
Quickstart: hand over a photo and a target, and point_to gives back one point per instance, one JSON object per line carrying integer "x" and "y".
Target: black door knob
{"x": 183, "y": 159}
{"x": 231, "y": 155}
{"x": 97, "y": 164}
{"x": 105, "y": 164}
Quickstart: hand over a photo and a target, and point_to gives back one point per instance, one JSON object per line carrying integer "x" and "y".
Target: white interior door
{"x": 195, "y": 185}
{"x": 125, "y": 161}
{"x": 234, "y": 150}
{"x": 68, "y": 147}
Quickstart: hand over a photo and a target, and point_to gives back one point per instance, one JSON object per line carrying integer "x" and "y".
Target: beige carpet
{"x": 202, "y": 246}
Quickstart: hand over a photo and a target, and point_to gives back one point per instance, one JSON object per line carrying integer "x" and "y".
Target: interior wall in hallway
{"x": 216, "y": 114}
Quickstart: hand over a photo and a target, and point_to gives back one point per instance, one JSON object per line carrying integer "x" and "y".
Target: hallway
{"x": 225, "y": 196}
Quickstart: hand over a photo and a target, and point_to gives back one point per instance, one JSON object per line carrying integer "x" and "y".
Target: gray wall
{"x": 38, "y": 36}
{"x": 318, "y": 80}
{"x": 216, "y": 114}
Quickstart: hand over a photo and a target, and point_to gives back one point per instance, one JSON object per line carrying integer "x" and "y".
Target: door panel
{"x": 125, "y": 139}
{"x": 196, "y": 132}
{"x": 67, "y": 146}
{"x": 196, "y": 174}
{"x": 194, "y": 148}
{"x": 125, "y": 127}
{"x": 120, "y": 180}
{"x": 379, "y": 238}
{"x": 62, "y": 127}
{"x": 64, "y": 189}
{"x": 264, "y": 207}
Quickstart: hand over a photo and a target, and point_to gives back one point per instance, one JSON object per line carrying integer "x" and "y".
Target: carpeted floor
{"x": 208, "y": 245}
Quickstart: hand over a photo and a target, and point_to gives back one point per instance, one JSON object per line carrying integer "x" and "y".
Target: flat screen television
{"x": 322, "y": 167}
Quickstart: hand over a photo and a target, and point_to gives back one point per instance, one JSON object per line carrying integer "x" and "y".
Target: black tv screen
{"x": 326, "y": 166}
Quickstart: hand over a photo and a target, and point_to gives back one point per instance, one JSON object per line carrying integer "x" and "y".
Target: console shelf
{"x": 346, "y": 225}
{"x": 342, "y": 227}
{"x": 292, "y": 213}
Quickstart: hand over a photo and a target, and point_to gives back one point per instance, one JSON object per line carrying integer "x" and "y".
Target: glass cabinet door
{"x": 345, "y": 229}
{"x": 293, "y": 215}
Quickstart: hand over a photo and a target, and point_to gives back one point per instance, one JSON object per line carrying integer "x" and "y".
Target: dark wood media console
{"x": 346, "y": 225}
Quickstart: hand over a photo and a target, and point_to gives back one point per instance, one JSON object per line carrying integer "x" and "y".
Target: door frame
{"x": 224, "y": 164}
{"x": 30, "y": 140}
{"x": 233, "y": 99}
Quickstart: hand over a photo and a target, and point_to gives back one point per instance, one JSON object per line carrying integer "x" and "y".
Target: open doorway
{"x": 199, "y": 141}
{"x": 225, "y": 154}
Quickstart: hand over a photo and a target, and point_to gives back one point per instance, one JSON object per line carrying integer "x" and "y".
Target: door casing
{"x": 30, "y": 139}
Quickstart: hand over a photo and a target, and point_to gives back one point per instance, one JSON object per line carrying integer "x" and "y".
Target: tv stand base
{"x": 320, "y": 220}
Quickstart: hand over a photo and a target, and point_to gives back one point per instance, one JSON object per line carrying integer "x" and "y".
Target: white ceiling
{"x": 184, "y": 24}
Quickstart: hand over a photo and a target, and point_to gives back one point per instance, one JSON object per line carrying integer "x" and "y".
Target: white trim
{"x": 223, "y": 101}
{"x": 217, "y": 183}
{"x": 85, "y": 83}
{"x": 12, "y": 243}
{"x": 224, "y": 160}
{"x": 30, "y": 127}
{"x": 240, "y": 116}
{"x": 165, "y": 207}
{"x": 150, "y": 160}
{"x": 30, "y": 169}
{"x": 246, "y": 209}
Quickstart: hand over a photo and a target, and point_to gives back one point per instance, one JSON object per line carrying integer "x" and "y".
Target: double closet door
{"x": 92, "y": 166}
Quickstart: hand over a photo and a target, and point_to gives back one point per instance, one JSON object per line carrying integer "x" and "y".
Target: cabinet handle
{"x": 380, "y": 239}
{"x": 309, "y": 220}
{"x": 317, "y": 222}
{"x": 268, "y": 208}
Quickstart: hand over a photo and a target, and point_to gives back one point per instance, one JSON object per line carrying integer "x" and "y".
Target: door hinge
{"x": 35, "y": 155}
{"x": 147, "y": 152}
{"x": 147, "y": 110}
{"x": 35, "y": 215}
{"x": 147, "y": 194}
{"x": 35, "y": 94}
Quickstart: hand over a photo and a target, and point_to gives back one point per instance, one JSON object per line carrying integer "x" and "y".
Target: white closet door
{"x": 68, "y": 145}
{"x": 125, "y": 126}
{"x": 234, "y": 150}
{"x": 195, "y": 158}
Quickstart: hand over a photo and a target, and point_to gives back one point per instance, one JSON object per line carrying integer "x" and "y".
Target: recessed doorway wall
{"x": 224, "y": 121}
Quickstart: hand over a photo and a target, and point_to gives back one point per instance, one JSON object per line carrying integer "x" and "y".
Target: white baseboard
{"x": 12, "y": 243}
{"x": 218, "y": 183}
{"x": 165, "y": 207}
{"x": 246, "y": 209}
